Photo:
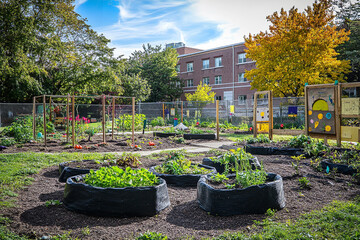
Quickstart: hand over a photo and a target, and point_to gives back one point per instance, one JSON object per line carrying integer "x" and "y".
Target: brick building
{"x": 222, "y": 68}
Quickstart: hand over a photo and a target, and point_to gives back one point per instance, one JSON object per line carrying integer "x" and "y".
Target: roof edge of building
{"x": 212, "y": 49}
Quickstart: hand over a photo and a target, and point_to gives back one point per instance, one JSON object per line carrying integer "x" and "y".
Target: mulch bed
{"x": 183, "y": 218}
{"x": 119, "y": 144}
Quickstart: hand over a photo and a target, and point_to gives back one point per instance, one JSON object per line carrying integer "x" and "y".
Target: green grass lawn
{"x": 339, "y": 220}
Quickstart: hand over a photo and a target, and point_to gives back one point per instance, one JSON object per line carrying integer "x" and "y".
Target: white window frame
{"x": 207, "y": 82}
{"x": 242, "y": 58}
{"x": 218, "y": 80}
{"x": 190, "y": 67}
{"x": 190, "y": 82}
{"x": 206, "y": 63}
{"x": 241, "y": 77}
{"x": 178, "y": 68}
{"x": 242, "y": 99}
{"x": 178, "y": 84}
{"x": 218, "y": 62}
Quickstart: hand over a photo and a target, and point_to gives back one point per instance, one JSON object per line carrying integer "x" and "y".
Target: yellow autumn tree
{"x": 202, "y": 96}
{"x": 297, "y": 49}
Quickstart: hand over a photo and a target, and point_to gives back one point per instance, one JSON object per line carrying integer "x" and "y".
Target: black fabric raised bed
{"x": 250, "y": 200}
{"x": 164, "y": 135}
{"x": 220, "y": 168}
{"x": 273, "y": 150}
{"x": 340, "y": 168}
{"x": 66, "y": 172}
{"x": 185, "y": 180}
{"x": 210, "y": 136}
{"x": 111, "y": 202}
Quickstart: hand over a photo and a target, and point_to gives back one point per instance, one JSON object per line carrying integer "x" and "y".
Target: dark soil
{"x": 119, "y": 144}
{"x": 183, "y": 218}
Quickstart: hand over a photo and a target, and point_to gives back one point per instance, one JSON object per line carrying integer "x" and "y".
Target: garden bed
{"x": 183, "y": 218}
{"x": 209, "y": 136}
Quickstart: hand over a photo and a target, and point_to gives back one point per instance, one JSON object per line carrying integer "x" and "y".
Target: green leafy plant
{"x": 159, "y": 121}
{"x": 52, "y": 203}
{"x": 124, "y": 122}
{"x": 259, "y": 139}
{"x": 90, "y": 131}
{"x": 115, "y": 177}
{"x": 199, "y": 131}
{"x": 128, "y": 160}
{"x": 152, "y": 236}
{"x": 299, "y": 141}
{"x": 270, "y": 212}
{"x": 316, "y": 148}
{"x": 175, "y": 139}
{"x": 296, "y": 165}
{"x": 304, "y": 183}
{"x": 219, "y": 178}
{"x": 7, "y": 142}
{"x": 229, "y": 158}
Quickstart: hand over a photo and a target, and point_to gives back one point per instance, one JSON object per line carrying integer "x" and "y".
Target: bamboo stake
{"x": 103, "y": 118}
{"x": 44, "y": 115}
{"x": 163, "y": 111}
{"x": 133, "y": 121}
{"x": 182, "y": 111}
{"x": 113, "y": 118}
{"x": 217, "y": 121}
{"x": 34, "y": 116}
{"x": 73, "y": 120}
{"x": 50, "y": 117}
{"x": 337, "y": 100}
{"x": 67, "y": 117}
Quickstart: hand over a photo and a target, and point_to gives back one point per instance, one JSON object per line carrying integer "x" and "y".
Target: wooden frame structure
{"x": 103, "y": 100}
{"x": 268, "y": 118}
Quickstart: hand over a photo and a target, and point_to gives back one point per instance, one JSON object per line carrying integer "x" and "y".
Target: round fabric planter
{"x": 250, "y": 200}
{"x": 220, "y": 168}
{"x": 129, "y": 201}
{"x": 164, "y": 135}
{"x": 189, "y": 136}
{"x": 273, "y": 151}
{"x": 66, "y": 172}
{"x": 185, "y": 180}
{"x": 340, "y": 168}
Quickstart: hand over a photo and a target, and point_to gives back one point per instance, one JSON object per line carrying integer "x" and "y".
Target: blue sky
{"x": 202, "y": 24}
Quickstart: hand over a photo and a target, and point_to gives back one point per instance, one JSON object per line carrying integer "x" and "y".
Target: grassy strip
{"x": 16, "y": 170}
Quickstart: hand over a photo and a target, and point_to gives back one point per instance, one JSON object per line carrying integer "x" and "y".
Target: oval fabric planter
{"x": 161, "y": 134}
{"x": 185, "y": 180}
{"x": 340, "y": 168}
{"x": 220, "y": 168}
{"x": 273, "y": 151}
{"x": 129, "y": 201}
{"x": 210, "y": 136}
{"x": 250, "y": 200}
{"x": 66, "y": 172}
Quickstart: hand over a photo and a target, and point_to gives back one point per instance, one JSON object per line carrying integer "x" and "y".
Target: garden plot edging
{"x": 220, "y": 168}
{"x": 340, "y": 168}
{"x": 66, "y": 172}
{"x": 250, "y": 200}
{"x": 164, "y": 135}
{"x": 273, "y": 150}
{"x": 189, "y": 136}
{"x": 185, "y": 180}
{"x": 111, "y": 202}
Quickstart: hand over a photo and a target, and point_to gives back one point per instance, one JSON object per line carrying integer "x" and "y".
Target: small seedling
{"x": 85, "y": 231}
{"x": 52, "y": 203}
{"x": 270, "y": 212}
{"x": 219, "y": 178}
{"x": 296, "y": 165}
{"x": 304, "y": 183}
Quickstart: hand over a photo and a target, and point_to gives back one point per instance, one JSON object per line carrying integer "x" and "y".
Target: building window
{"x": 190, "y": 67}
{"x": 206, "y": 81}
{"x": 218, "y": 79}
{"x": 242, "y": 99}
{"x": 178, "y": 84}
{"x": 177, "y": 68}
{"x": 217, "y": 97}
{"x": 190, "y": 83}
{"x": 242, "y": 77}
{"x": 241, "y": 57}
{"x": 206, "y": 64}
{"x": 218, "y": 62}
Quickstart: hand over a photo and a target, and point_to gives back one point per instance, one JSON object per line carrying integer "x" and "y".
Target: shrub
{"x": 259, "y": 139}
{"x": 299, "y": 141}
{"x": 159, "y": 121}
{"x": 229, "y": 158}
{"x": 125, "y": 122}
{"x": 115, "y": 177}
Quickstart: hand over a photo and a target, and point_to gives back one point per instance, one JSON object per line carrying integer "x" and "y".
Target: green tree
{"x": 158, "y": 67}
{"x": 299, "y": 48}
{"x": 47, "y": 48}
{"x": 201, "y": 97}
{"x": 348, "y": 18}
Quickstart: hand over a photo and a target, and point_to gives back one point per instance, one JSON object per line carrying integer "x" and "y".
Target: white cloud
{"x": 79, "y": 2}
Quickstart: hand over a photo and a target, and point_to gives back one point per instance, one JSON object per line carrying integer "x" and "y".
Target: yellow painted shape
{"x": 327, "y": 128}
{"x": 232, "y": 108}
{"x": 350, "y": 133}
{"x": 310, "y": 112}
{"x": 262, "y": 114}
{"x": 262, "y": 127}
{"x": 310, "y": 129}
{"x": 316, "y": 124}
{"x": 320, "y": 116}
{"x": 320, "y": 105}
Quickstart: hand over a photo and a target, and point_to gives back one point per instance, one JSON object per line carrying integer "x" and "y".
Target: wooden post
{"x": 103, "y": 118}
{"x": 50, "y": 116}
{"x": 133, "y": 120}
{"x": 67, "y": 117}
{"x": 306, "y": 111}
{"x": 163, "y": 106}
{"x": 254, "y": 115}
{"x": 337, "y": 100}
{"x": 113, "y": 118}
{"x": 217, "y": 121}
{"x": 34, "y": 116}
{"x": 73, "y": 120}
{"x": 182, "y": 111}
{"x": 270, "y": 102}
{"x": 44, "y": 115}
